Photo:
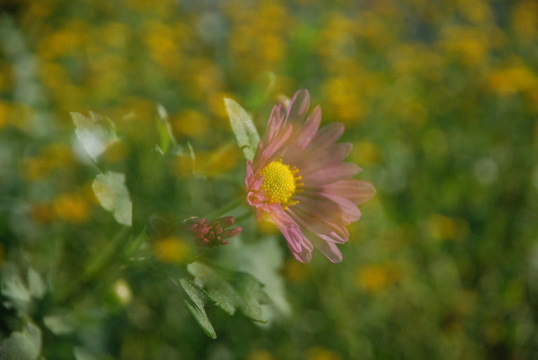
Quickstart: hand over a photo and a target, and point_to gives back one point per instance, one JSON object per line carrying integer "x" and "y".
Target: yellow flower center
{"x": 280, "y": 183}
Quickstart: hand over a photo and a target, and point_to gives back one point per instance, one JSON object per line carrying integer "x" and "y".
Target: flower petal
{"x": 329, "y": 249}
{"x": 323, "y": 158}
{"x": 330, "y": 174}
{"x": 275, "y": 123}
{"x": 298, "y": 107}
{"x": 350, "y": 211}
{"x": 299, "y": 245}
{"x": 355, "y": 190}
{"x": 324, "y": 242}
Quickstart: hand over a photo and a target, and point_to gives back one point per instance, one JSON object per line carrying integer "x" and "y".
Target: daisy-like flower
{"x": 299, "y": 181}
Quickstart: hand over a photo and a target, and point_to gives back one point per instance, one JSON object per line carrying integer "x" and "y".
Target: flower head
{"x": 212, "y": 233}
{"x": 184, "y": 241}
{"x": 299, "y": 180}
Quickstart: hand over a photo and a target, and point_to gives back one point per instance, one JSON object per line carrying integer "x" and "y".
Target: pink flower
{"x": 212, "y": 233}
{"x": 299, "y": 181}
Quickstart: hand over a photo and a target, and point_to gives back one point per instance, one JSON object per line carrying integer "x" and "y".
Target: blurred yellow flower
{"x": 34, "y": 169}
{"x": 3, "y": 114}
{"x": 442, "y": 227}
{"x": 266, "y": 226}
{"x": 171, "y": 249}
{"x": 216, "y": 106}
{"x": 190, "y": 122}
{"x": 320, "y": 353}
{"x": 259, "y": 354}
{"x": 61, "y": 42}
{"x": 477, "y": 11}
{"x": 162, "y": 44}
{"x": 219, "y": 161}
{"x": 525, "y": 19}
{"x": 365, "y": 153}
{"x": 375, "y": 277}
{"x": 58, "y": 155}
{"x": 72, "y": 207}
{"x": 510, "y": 80}
{"x": 295, "y": 271}
{"x": 116, "y": 152}
{"x": 344, "y": 104}
{"x": 469, "y": 44}
{"x": 257, "y": 42}
{"x": 210, "y": 164}
{"x": 42, "y": 213}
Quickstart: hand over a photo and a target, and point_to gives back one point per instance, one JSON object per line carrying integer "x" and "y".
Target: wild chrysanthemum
{"x": 299, "y": 181}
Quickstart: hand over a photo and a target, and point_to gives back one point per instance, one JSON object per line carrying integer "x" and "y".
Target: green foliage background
{"x": 439, "y": 98}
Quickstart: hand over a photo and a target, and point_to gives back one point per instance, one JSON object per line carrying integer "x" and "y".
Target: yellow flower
{"x": 320, "y": 353}
{"x": 259, "y": 354}
{"x": 373, "y": 278}
{"x": 442, "y": 227}
{"x": 171, "y": 249}
{"x": 477, "y": 11}
{"x": 469, "y": 44}
{"x": 365, "y": 153}
{"x": 34, "y": 169}
{"x": 42, "y": 213}
{"x": 513, "y": 79}
{"x": 3, "y": 114}
{"x": 525, "y": 19}
{"x": 72, "y": 208}
{"x": 344, "y": 103}
{"x": 295, "y": 271}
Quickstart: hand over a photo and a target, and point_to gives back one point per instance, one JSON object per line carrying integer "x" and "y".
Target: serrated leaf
{"x": 22, "y": 345}
{"x": 231, "y": 290}
{"x": 243, "y": 128}
{"x": 252, "y": 296}
{"x": 221, "y": 292}
{"x": 263, "y": 260}
{"x": 110, "y": 190}
{"x": 197, "y": 306}
{"x": 95, "y": 132}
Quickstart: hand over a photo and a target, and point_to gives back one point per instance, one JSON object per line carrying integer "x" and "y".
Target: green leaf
{"x": 36, "y": 286}
{"x": 22, "y": 345}
{"x": 58, "y": 324}
{"x": 220, "y": 291}
{"x": 166, "y": 136}
{"x": 110, "y": 190}
{"x": 196, "y": 305}
{"x": 231, "y": 290}
{"x": 252, "y": 295}
{"x": 83, "y": 354}
{"x": 14, "y": 288}
{"x": 243, "y": 128}
{"x": 263, "y": 260}
{"x": 95, "y": 132}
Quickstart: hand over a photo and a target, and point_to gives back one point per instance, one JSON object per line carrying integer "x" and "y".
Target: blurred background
{"x": 439, "y": 98}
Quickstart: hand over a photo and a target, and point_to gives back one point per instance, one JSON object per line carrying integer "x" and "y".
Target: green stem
{"x": 134, "y": 245}
{"x": 95, "y": 267}
{"x": 225, "y": 209}
{"x": 243, "y": 217}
